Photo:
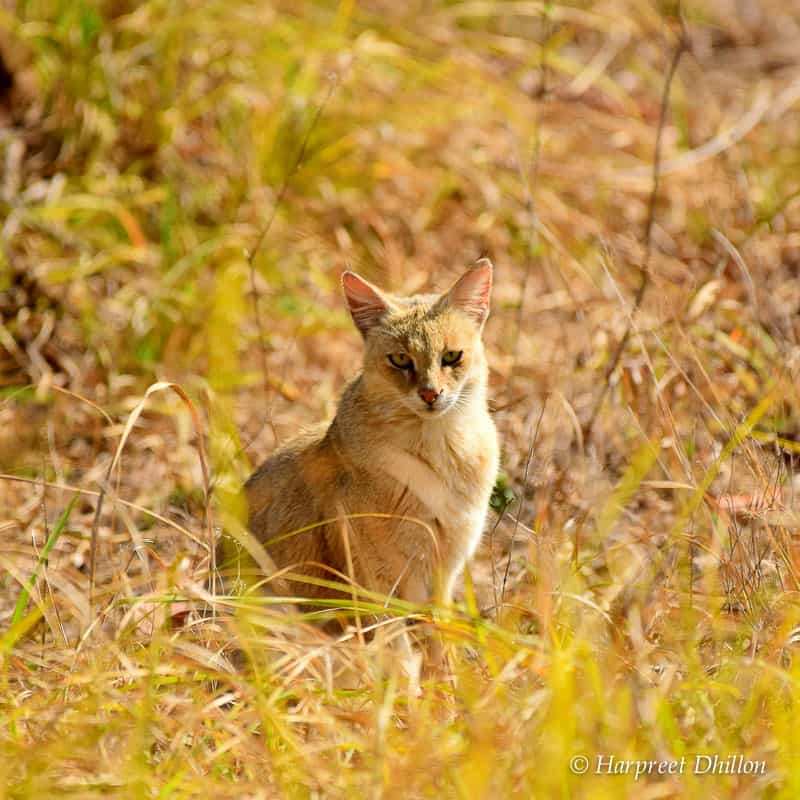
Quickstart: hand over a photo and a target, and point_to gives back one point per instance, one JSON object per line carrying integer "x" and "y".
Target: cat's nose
{"x": 429, "y": 395}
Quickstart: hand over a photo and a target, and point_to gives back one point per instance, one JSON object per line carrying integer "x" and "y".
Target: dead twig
{"x": 528, "y": 459}
{"x": 269, "y": 382}
{"x": 680, "y": 48}
{"x": 529, "y": 179}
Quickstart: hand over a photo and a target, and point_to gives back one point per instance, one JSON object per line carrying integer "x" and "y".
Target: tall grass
{"x": 183, "y": 183}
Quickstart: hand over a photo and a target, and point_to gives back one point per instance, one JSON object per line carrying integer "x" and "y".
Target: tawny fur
{"x": 387, "y": 453}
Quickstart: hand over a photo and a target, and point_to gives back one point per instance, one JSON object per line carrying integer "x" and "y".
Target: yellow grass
{"x": 182, "y": 184}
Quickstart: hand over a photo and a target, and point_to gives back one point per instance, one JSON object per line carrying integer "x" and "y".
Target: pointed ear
{"x": 471, "y": 291}
{"x": 366, "y": 303}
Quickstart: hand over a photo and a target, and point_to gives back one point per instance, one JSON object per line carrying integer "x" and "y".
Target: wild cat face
{"x": 424, "y": 352}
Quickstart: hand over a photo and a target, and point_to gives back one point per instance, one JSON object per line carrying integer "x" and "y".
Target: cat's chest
{"x": 447, "y": 473}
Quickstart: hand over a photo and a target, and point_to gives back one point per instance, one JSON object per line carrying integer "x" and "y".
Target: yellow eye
{"x": 452, "y": 357}
{"x": 401, "y": 360}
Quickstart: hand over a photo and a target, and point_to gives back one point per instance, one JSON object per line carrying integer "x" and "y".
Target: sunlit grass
{"x": 183, "y": 183}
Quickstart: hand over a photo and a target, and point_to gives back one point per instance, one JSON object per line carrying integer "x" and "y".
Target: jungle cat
{"x": 412, "y": 443}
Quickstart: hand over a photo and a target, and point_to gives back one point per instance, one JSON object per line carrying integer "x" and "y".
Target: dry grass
{"x": 183, "y": 183}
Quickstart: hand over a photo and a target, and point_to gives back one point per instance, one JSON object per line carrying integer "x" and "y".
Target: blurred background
{"x": 181, "y": 184}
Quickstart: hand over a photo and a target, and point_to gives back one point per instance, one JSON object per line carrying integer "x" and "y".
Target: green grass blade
{"x": 19, "y": 610}
{"x": 638, "y": 469}
{"x": 18, "y": 629}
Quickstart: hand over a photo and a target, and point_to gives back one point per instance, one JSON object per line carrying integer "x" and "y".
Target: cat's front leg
{"x": 466, "y": 537}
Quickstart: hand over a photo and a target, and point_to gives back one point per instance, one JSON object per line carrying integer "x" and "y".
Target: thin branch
{"x": 529, "y": 177}
{"x": 681, "y": 47}
{"x": 528, "y": 459}
{"x": 291, "y": 172}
